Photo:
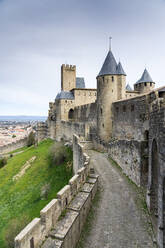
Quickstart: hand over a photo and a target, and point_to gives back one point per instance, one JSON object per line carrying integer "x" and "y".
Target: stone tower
{"x": 145, "y": 83}
{"x": 68, "y": 77}
{"x": 111, "y": 83}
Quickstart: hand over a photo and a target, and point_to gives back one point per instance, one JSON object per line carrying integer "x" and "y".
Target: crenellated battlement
{"x": 68, "y": 67}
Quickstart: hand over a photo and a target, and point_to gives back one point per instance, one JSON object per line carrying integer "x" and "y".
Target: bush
{"x": 45, "y": 191}
{"x": 58, "y": 154}
{"x": 3, "y": 162}
{"x": 16, "y": 225}
{"x": 31, "y": 139}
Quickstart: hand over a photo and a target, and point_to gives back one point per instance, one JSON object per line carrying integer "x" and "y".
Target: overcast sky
{"x": 37, "y": 36}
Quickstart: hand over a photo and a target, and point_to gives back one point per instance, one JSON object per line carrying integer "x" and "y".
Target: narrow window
{"x": 101, "y": 111}
{"x": 150, "y": 83}
{"x": 132, "y": 108}
{"x": 124, "y": 108}
{"x": 32, "y": 243}
{"x": 66, "y": 201}
{"x": 145, "y": 84}
{"x": 103, "y": 125}
{"x": 112, "y": 78}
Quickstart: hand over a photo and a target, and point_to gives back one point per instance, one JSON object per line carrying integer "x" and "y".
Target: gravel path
{"x": 119, "y": 222}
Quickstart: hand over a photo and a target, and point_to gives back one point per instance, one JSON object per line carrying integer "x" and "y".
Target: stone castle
{"x": 128, "y": 124}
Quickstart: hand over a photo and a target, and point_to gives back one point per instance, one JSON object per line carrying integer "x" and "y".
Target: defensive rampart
{"x": 51, "y": 230}
{"x": 13, "y": 146}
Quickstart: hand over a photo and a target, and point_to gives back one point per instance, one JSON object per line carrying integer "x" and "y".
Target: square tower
{"x": 68, "y": 77}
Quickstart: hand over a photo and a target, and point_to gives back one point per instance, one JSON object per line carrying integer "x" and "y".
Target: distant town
{"x": 14, "y": 128}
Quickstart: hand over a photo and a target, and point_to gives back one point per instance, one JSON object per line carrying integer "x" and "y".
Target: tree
{"x": 31, "y": 139}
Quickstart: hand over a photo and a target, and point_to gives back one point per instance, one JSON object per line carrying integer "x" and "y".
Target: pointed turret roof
{"x": 109, "y": 66}
{"x": 145, "y": 78}
{"x": 128, "y": 87}
{"x": 120, "y": 70}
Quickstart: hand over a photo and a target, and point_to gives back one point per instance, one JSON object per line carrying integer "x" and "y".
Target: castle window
{"x": 71, "y": 114}
{"x": 103, "y": 125}
{"x": 117, "y": 109}
{"x": 112, "y": 90}
{"x": 150, "y": 83}
{"x": 145, "y": 84}
{"x": 124, "y": 108}
{"x": 103, "y": 79}
{"x": 66, "y": 101}
{"x": 132, "y": 108}
{"x": 101, "y": 111}
{"x": 66, "y": 201}
{"x": 112, "y": 78}
{"x": 32, "y": 243}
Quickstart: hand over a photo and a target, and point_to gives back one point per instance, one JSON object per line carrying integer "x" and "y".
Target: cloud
{"x": 38, "y": 36}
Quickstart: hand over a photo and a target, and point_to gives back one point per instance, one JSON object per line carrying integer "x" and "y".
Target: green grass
{"x": 21, "y": 199}
{"x": 19, "y": 150}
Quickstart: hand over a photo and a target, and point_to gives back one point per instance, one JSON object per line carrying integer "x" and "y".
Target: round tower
{"x": 110, "y": 87}
{"x": 145, "y": 83}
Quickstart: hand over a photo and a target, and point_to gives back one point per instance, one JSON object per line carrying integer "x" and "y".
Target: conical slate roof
{"x": 110, "y": 66}
{"x": 120, "y": 70}
{"x": 128, "y": 87}
{"x": 145, "y": 78}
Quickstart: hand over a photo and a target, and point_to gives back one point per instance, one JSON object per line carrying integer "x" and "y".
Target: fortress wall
{"x": 42, "y": 131}
{"x": 13, "y": 146}
{"x": 67, "y": 129}
{"x": 84, "y": 96}
{"x": 86, "y": 113}
{"x": 79, "y": 157}
{"x": 127, "y": 154}
{"x": 76, "y": 199}
{"x": 129, "y": 147}
{"x": 130, "y": 118}
{"x": 157, "y": 166}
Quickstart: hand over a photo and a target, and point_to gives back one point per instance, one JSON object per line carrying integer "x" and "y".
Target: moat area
{"x": 120, "y": 220}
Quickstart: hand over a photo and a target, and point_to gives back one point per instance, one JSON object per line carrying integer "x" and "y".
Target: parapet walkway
{"x": 119, "y": 221}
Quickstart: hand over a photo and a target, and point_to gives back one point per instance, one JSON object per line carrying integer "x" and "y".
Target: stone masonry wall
{"x": 156, "y": 184}
{"x": 128, "y": 155}
{"x": 130, "y": 118}
{"x": 13, "y": 146}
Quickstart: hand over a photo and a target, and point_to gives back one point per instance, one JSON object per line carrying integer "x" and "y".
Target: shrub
{"x": 31, "y": 139}
{"x": 45, "y": 191}
{"x": 16, "y": 225}
{"x": 3, "y": 162}
{"x": 57, "y": 154}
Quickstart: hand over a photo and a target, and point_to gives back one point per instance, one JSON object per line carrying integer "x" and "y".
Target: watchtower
{"x": 110, "y": 87}
{"x": 68, "y": 77}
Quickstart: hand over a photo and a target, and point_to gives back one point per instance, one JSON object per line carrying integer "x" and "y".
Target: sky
{"x": 37, "y": 36}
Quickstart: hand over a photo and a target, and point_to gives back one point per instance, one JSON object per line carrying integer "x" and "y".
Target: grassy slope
{"x": 21, "y": 199}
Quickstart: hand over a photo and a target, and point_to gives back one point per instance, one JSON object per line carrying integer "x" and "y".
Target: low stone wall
{"x": 79, "y": 157}
{"x": 13, "y": 146}
{"x": 75, "y": 198}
